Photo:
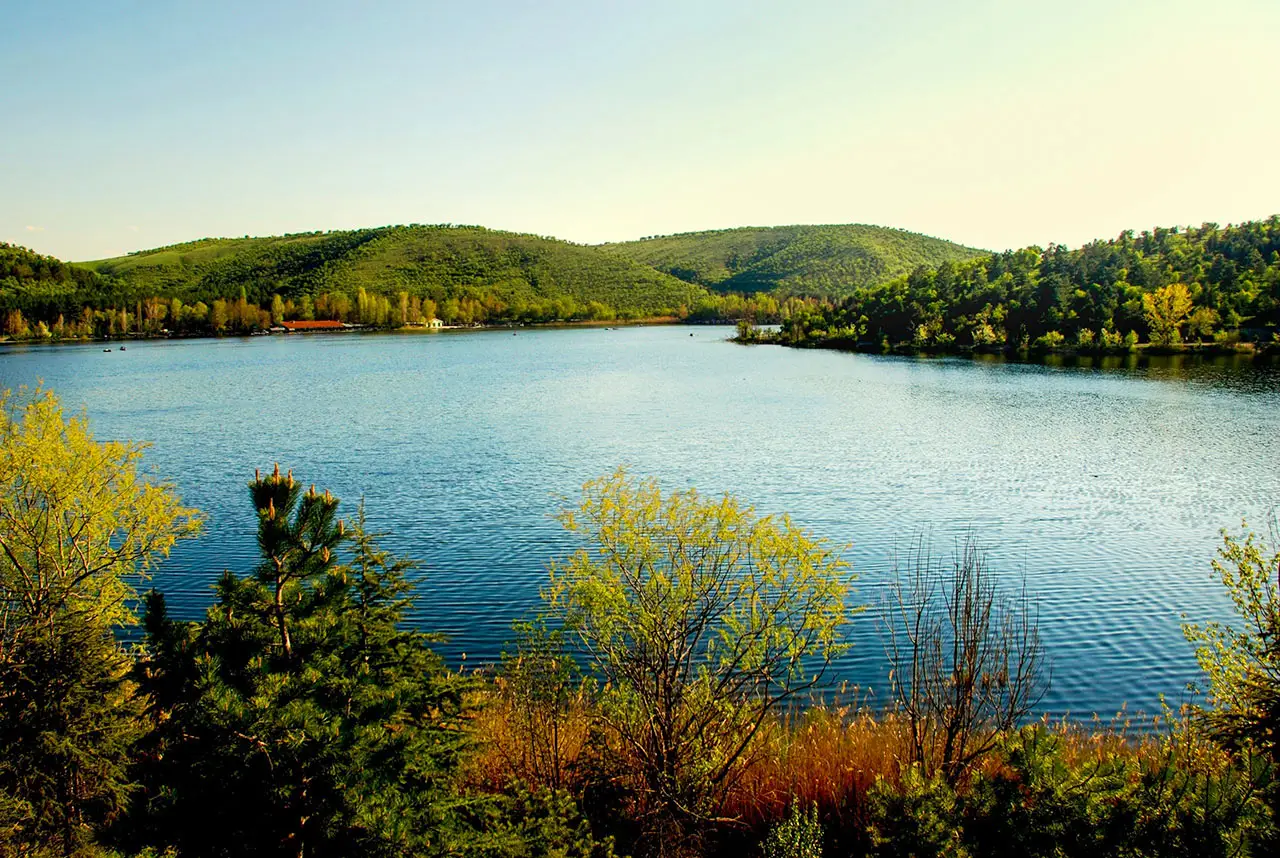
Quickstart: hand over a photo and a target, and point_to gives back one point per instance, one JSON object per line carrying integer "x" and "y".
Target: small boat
{"x": 122, "y": 348}
{"x": 106, "y": 350}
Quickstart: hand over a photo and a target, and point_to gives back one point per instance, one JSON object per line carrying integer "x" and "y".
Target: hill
{"x": 36, "y": 289}
{"x": 427, "y": 262}
{"x": 823, "y": 261}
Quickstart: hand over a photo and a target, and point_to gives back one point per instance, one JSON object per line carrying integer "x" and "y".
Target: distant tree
{"x": 1165, "y": 309}
{"x": 218, "y": 317}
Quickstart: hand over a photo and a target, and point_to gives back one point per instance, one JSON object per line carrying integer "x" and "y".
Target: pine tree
{"x": 300, "y": 718}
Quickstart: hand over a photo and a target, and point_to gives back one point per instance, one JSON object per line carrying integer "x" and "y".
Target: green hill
{"x": 436, "y": 262}
{"x": 45, "y": 286}
{"x": 827, "y": 261}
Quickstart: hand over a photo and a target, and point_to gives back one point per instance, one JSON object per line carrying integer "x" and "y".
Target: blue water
{"x": 1106, "y": 488}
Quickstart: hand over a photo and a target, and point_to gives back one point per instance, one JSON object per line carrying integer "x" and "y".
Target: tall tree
{"x": 299, "y": 718}
{"x": 700, "y": 619}
{"x": 78, "y": 526}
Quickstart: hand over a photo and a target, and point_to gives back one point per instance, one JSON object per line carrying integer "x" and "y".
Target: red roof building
{"x": 318, "y": 325}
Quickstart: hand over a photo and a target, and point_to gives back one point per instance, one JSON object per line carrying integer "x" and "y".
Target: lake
{"x": 1105, "y": 487}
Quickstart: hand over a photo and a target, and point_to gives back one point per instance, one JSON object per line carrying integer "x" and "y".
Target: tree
{"x": 78, "y": 526}
{"x": 299, "y": 717}
{"x": 700, "y": 619}
{"x": 1165, "y": 309}
{"x": 1242, "y": 663}
{"x": 966, "y": 662}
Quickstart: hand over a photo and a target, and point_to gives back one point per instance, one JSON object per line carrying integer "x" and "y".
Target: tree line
{"x": 42, "y": 298}
{"x": 1164, "y": 287}
{"x": 661, "y": 703}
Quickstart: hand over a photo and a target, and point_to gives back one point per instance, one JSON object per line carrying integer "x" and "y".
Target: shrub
{"x": 918, "y": 818}
{"x": 797, "y": 836}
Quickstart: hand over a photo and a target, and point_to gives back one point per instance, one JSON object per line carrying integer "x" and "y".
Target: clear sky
{"x": 996, "y": 123}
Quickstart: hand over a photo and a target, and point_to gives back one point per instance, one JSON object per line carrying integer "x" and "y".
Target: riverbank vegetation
{"x": 1167, "y": 289}
{"x": 670, "y": 699}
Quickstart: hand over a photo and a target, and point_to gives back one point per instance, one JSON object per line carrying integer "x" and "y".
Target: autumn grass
{"x": 827, "y": 755}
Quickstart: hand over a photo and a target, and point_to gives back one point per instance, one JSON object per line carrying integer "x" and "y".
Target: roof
{"x": 318, "y": 325}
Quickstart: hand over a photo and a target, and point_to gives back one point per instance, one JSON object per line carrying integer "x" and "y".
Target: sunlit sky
{"x": 993, "y": 123}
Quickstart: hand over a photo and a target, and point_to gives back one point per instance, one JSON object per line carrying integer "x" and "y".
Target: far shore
{"x": 367, "y": 329}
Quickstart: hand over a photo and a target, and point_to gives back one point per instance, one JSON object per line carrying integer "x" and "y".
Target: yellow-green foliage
{"x": 1242, "y": 662}
{"x": 1165, "y": 309}
{"x": 78, "y": 524}
{"x": 699, "y": 618}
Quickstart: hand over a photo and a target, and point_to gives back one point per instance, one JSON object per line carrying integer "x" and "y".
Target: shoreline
{"x": 648, "y": 321}
{"x": 1141, "y": 350}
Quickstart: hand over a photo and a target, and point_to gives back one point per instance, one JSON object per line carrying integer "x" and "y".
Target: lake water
{"x": 1106, "y": 487}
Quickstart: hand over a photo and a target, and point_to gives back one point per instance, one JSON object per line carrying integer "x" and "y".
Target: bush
{"x": 537, "y": 823}
{"x": 1174, "y": 796}
{"x": 797, "y": 836}
{"x": 918, "y": 818}
{"x": 1049, "y": 341}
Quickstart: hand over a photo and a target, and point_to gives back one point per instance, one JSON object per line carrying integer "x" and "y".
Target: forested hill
{"x": 427, "y": 262}
{"x": 1165, "y": 286}
{"x": 42, "y": 284}
{"x": 821, "y": 261}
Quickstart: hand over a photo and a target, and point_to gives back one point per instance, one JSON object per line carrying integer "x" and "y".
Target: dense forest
{"x": 667, "y": 700}
{"x": 1164, "y": 287}
{"x": 812, "y": 261}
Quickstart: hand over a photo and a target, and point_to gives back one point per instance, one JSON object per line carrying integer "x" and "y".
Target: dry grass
{"x": 827, "y": 755}
{"x": 522, "y": 741}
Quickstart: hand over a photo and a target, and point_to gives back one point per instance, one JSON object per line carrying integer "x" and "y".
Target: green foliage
{"x": 69, "y": 722}
{"x": 504, "y": 275}
{"x": 797, "y": 836}
{"x": 77, "y": 527}
{"x": 1180, "y": 799}
{"x": 298, "y": 717}
{"x": 825, "y": 261}
{"x": 1154, "y": 284}
{"x": 538, "y": 823}
{"x": 43, "y": 287}
{"x": 920, "y": 818}
{"x": 1242, "y": 663}
{"x": 699, "y": 619}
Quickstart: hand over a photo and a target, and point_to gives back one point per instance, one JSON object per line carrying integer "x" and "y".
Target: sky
{"x": 997, "y": 124}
